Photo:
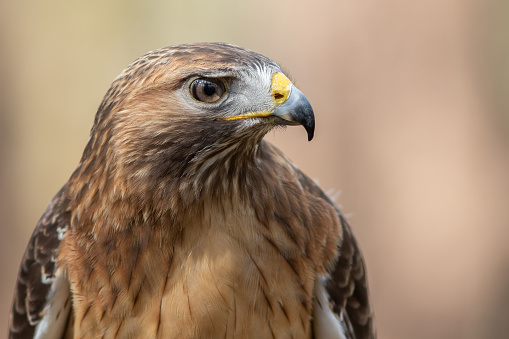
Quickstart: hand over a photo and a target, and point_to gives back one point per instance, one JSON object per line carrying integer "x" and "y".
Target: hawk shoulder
{"x": 343, "y": 293}
{"x": 41, "y": 303}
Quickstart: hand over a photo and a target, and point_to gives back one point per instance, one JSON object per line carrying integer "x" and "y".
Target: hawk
{"x": 180, "y": 221}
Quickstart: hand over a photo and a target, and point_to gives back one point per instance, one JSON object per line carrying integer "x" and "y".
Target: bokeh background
{"x": 412, "y": 109}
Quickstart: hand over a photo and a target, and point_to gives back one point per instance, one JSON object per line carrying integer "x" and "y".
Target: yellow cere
{"x": 280, "y": 88}
{"x": 280, "y": 91}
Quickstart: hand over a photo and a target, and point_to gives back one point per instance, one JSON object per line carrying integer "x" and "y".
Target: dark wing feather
{"x": 37, "y": 270}
{"x": 347, "y": 285}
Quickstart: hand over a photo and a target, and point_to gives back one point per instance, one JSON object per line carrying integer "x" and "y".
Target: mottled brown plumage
{"x": 181, "y": 222}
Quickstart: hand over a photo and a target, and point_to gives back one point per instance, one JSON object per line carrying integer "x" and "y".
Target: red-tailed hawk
{"x": 180, "y": 221}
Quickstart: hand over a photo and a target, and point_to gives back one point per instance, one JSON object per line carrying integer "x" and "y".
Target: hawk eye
{"x": 208, "y": 90}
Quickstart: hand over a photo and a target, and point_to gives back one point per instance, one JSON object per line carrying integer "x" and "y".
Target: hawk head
{"x": 191, "y": 111}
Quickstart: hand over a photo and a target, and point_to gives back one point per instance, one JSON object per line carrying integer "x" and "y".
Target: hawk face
{"x": 186, "y": 111}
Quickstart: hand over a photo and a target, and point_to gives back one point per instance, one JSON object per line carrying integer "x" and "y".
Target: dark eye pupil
{"x": 209, "y": 88}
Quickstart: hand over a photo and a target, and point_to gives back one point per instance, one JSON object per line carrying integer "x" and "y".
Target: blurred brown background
{"x": 412, "y": 107}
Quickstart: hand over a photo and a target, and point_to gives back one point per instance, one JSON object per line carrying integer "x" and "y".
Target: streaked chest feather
{"x": 228, "y": 276}
{"x": 229, "y": 286}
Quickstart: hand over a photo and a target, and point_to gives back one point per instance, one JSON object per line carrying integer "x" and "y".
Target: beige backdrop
{"x": 411, "y": 101}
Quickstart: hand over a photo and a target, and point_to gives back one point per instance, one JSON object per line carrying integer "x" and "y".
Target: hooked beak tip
{"x": 297, "y": 110}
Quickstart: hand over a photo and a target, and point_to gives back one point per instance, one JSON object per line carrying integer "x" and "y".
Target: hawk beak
{"x": 296, "y": 110}
{"x": 292, "y": 107}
